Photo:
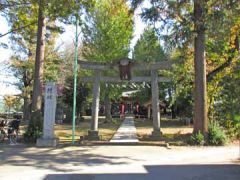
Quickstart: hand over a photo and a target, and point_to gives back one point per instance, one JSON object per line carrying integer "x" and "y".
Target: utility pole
{"x": 75, "y": 82}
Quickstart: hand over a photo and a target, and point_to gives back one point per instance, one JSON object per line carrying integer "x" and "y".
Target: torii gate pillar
{"x": 93, "y": 133}
{"x": 155, "y": 104}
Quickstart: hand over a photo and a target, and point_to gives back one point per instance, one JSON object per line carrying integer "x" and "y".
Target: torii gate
{"x": 125, "y": 67}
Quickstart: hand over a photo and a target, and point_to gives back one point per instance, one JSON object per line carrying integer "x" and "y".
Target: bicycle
{"x": 3, "y": 130}
{"x": 12, "y": 132}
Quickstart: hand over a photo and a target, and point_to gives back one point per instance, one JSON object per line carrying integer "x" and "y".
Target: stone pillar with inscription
{"x": 48, "y": 139}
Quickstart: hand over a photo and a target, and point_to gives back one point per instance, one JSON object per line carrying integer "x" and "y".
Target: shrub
{"x": 233, "y": 127}
{"x": 216, "y": 135}
{"x": 81, "y": 119}
{"x": 197, "y": 139}
{"x": 34, "y": 129}
{"x": 32, "y": 134}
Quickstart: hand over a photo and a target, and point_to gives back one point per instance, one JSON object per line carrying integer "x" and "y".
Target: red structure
{"x": 122, "y": 108}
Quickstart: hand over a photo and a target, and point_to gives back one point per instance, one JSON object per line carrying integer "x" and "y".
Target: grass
{"x": 106, "y": 130}
{"x": 174, "y": 131}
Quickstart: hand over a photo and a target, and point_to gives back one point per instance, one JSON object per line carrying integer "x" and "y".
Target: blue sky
{"x": 64, "y": 39}
{"x": 5, "y": 77}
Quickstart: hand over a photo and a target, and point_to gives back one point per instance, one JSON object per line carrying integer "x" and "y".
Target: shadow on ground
{"x": 53, "y": 159}
{"x": 164, "y": 172}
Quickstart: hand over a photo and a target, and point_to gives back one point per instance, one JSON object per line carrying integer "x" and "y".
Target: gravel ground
{"x": 21, "y": 162}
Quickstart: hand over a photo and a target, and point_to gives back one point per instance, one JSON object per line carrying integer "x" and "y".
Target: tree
{"x": 52, "y": 10}
{"x": 9, "y": 102}
{"x": 182, "y": 75}
{"x": 107, "y": 32}
{"x": 22, "y": 17}
{"x": 38, "y": 69}
{"x": 29, "y": 13}
{"x": 148, "y": 47}
{"x": 82, "y": 94}
{"x": 200, "y": 89}
{"x": 186, "y": 21}
{"x": 23, "y": 70}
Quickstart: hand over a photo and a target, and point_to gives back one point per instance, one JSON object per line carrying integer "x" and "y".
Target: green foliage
{"x": 181, "y": 87}
{"x": 224, "y": 99}
{"x": 216, "y": 135}
{"x": 82, "y": 93}
{"x": 176, "y": 20}
{"x": 148, "y": 47}
{"x": 197, "y": 139}
{"x": 148, "y": 50}
{"x": 53, "y": 65}
{"x": 144, "y": 93}
{"x": 67, "y": 10}
{"x": 222, "y": 26}
{"x": 32, "y": 134}
{"x": 34, "y": 129}
{"x": 18, "y": 105}
{"x": 107, "y": 31}
{"x": 233, "y": 127}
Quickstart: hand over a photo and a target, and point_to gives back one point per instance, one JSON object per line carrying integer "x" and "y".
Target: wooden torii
{"x": 125, "y": 66}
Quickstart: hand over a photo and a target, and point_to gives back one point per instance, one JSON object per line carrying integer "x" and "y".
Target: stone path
{"x": 126, "y": 133}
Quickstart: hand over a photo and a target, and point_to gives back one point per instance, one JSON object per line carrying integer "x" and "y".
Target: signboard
{"x": 125, "y": 69}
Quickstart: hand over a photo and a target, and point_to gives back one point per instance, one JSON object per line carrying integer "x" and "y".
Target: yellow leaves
{"x": 9, "y": 101}
{"x": 107, "y": 34}
{"x": 235, "y": 31}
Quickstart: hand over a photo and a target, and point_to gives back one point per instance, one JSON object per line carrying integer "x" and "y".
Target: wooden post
{"x": 93, "y": 133}
{"x": 155, "y": 104}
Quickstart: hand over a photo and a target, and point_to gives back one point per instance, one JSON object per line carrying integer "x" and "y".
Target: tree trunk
{"x": 173, "y": 114}
{"x": 26, "y": 96}
{"x": 173, "y": 111}
{"x": 38, "y": 73}
{"x": 26, "y": 108}
{"x": 200, "y": 96}
{"x": 107, "y": 104}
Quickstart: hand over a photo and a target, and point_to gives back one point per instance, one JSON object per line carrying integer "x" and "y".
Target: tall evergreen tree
{"x": 148, "y": 47}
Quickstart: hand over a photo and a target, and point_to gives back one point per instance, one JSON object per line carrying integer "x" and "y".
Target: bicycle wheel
{"x": 12, "y": 139}
{"x": 12, "y": 136}
{"x": 2, "y": 136}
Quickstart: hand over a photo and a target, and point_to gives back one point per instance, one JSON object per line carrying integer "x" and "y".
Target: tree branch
{"x": 213, "y": 73}
{"x": 13, "y": 30}
{"x": 14, "y": 4}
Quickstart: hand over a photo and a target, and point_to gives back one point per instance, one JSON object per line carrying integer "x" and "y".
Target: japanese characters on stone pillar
{"x": 50, "y": 101}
